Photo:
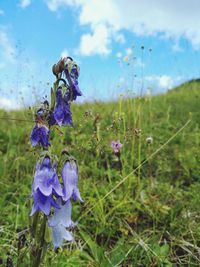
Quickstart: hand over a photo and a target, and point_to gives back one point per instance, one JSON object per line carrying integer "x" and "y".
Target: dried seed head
{"x": 149, "y": 140}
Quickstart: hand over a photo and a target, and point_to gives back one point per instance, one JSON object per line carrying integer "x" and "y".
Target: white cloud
{"x": 7, "y": 50}
{"x": 8, "y": 104}
{"x": 171, "y": 19}
{"x": 161, "y": 81}
{"x": 53, "y": 5}
{"x": 96, "y": 43}
{"x": 165, "y": 81}
{"x": 24, "y": 3}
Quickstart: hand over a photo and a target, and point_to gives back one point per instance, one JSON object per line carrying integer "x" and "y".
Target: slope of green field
{"x": 141, "y": 209}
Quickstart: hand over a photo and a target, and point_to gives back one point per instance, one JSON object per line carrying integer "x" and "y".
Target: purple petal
{"x": 77, "y": 195}
{"x": 58, "y": 111}
{"x": 59, "y": 234}
{"x": 41, "y": 203}
{"x": 44, "y": 136}
{"x": 57, "y": 186}
{"x": 67, "y": 192}
{"x": 46, "y": 179}
{"x": 34, "y": 209}
{"x": 42, "y": 181}
{"x": 62, "y": 215}
{"x": 34, "y": 137}
{"x": 70, "y": 180}
{"x": 40, "y": 135}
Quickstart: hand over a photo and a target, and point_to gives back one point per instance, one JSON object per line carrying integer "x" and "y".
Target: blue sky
{"x": 105, "y": 38}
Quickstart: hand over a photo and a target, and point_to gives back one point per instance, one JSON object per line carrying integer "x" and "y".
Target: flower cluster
{"x": 61, "y": 97}
{"x": 52, "y": 193}
{"x": 47, "y": 193}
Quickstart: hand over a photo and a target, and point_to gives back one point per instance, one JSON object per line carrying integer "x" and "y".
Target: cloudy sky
{"x": 105, "y": 38}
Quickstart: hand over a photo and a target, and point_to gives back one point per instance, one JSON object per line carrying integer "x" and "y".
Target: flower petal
{"x": 62, "y": 215}
{"x": 34, "y": 137}
{"x": 59, "y": 234}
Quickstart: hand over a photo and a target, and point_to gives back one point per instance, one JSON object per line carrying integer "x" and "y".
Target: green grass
{"x": 150, "y": 219}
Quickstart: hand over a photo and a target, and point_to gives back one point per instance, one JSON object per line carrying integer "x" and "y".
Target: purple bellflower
{"x": 116, "y": 146}
{"x": 42, "y": 203}
{"x": 40, "y": 135}
{"x": 60, "y": 221}
{"x": 62, "y": 113}
{"x": 46, "y": 179}
{"x": 62, "y": 214}
{"x": 59, "y": 234}
{"x": 74, "y": 86}
{"x": 45, "y": 185}
{"x": 40, "y": 132}
{"x": 70, "y": 180}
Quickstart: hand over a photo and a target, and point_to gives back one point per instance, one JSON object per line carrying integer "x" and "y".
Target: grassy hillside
{"x": 139, "y": 210}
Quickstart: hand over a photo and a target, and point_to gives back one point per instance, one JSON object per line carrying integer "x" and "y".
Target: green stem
{"x": 41, "y": 246}
{"x": 34, "y": 226}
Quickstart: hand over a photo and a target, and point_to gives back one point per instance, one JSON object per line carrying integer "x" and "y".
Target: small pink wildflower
{"x": 116, "y": 146}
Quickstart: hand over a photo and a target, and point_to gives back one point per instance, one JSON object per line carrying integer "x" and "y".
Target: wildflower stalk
{"x": 149, "y": 142}
{"x": 50, "y": 197}
{"x": 139, "y": 148}
{"x": 97, "y": 125}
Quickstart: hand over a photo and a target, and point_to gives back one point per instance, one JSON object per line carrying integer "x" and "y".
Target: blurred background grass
{"x": 151, "y": 219}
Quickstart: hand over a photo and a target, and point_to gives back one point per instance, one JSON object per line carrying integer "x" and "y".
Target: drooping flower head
{"x": 46, "y": 179}
{"x": 60, "y": 221}
{"x": 72, "y": 72}
{"x": 45, "y": 186}
{"x": 40, "y": 135}
{"x": 70, "y": 181}
{"x": 59, "y": 234}
{"x": 40, "y": 132}
{"x": 62, "y": 114}
{"x": 116, "y": 146}
{"x": 42, "y": 203}
{"x": 62, "y": 214}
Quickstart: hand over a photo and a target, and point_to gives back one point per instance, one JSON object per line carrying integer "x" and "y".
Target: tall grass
{"x": 125, "y": 221}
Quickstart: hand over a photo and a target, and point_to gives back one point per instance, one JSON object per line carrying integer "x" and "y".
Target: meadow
{"x": 141, "y": 208}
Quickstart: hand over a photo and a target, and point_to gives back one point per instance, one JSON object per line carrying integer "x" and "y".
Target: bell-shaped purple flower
{"x": 62, "y": 114}
{"x": 51, "y": 119}
{"x": 40, "y": 135}
{"x": 60, "y": 221}
{"x": 70, "y": 180}
{"x": 62, "y": 214}
{"x": 46, "y": 179}
{"x": 59, "y": 234}
{"x": 74, "y": 86}
{"x": 42, "y": 203}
